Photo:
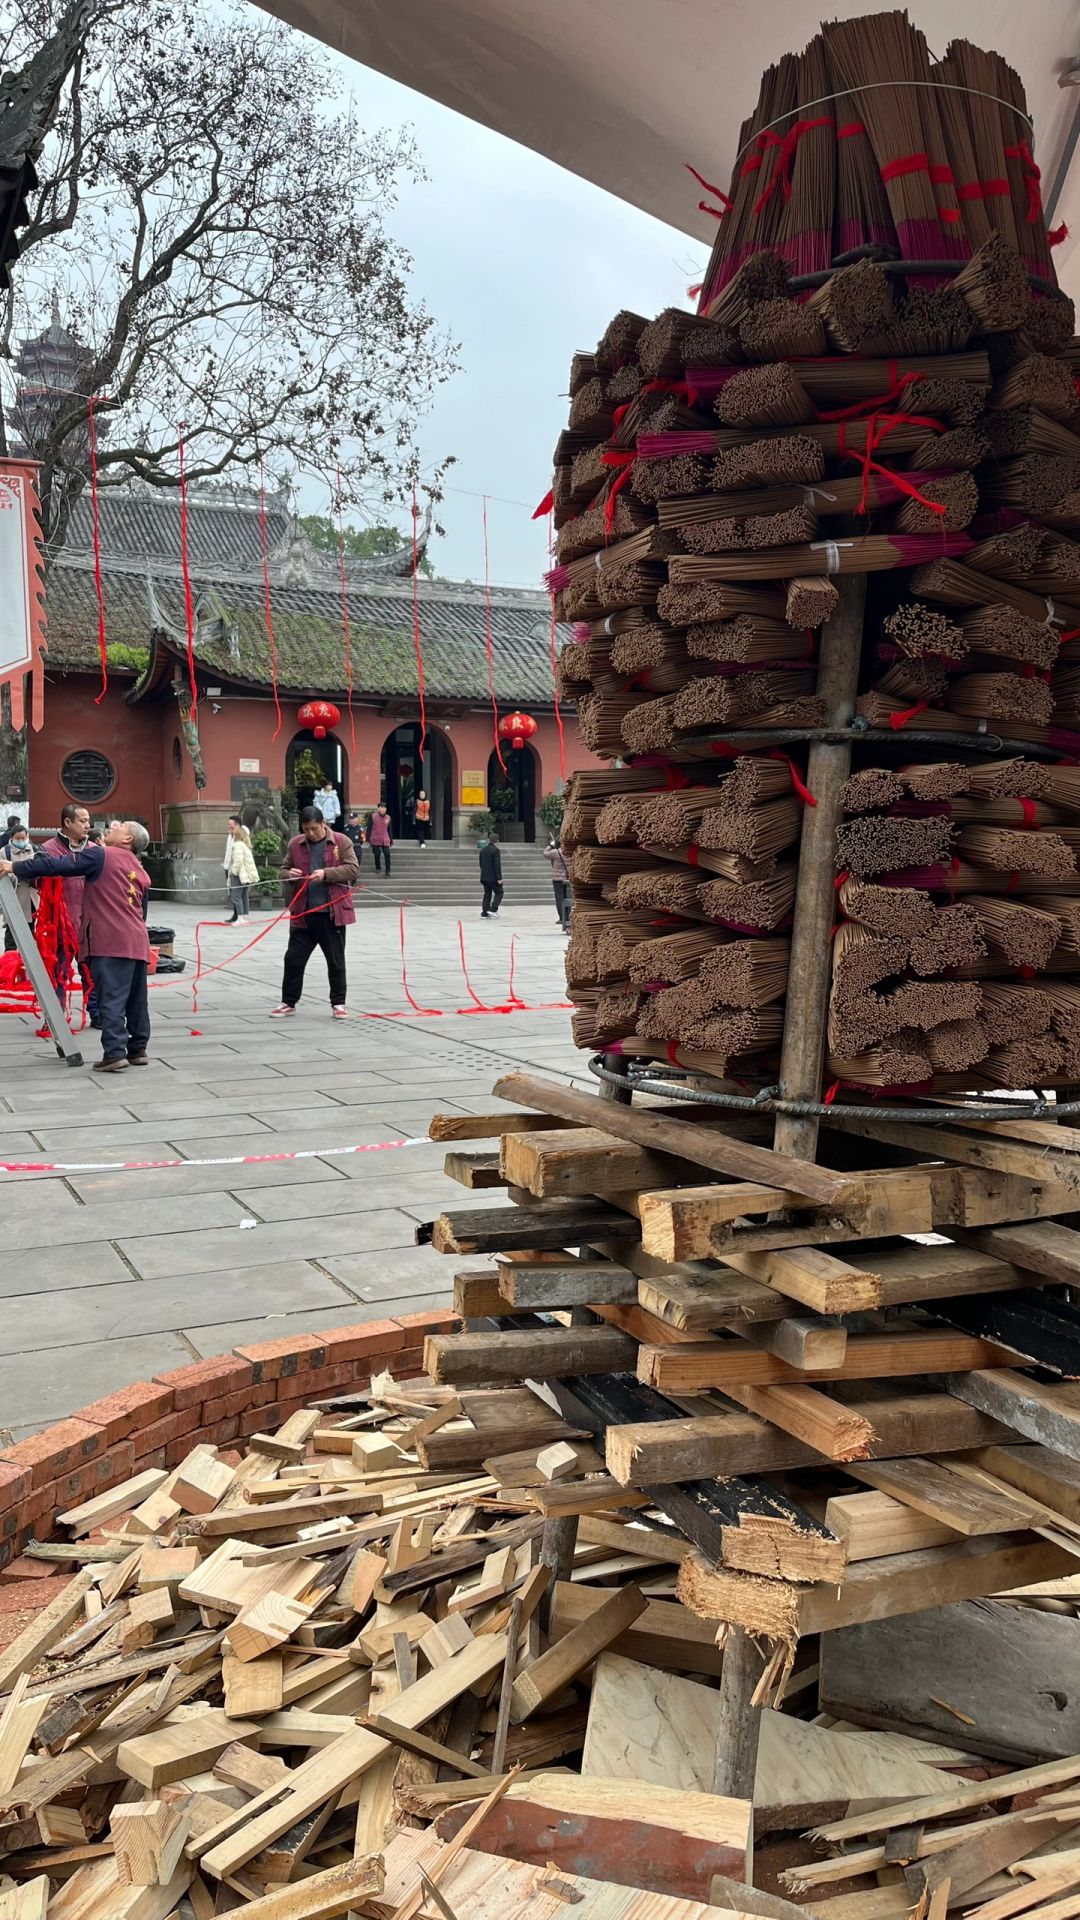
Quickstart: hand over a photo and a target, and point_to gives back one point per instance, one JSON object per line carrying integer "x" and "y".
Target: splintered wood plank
{"x": 963, "y": 1797}
{"x": 268, "y": 1624}
{"x": 28, "y": 1647}
{"x": 201, "y": 1481}
{"x": 807, "y": 1344}
{"x": 736, "y": 1158}
{"x": 686, "y": 1368}
{"x": 584, "y": 1160}
{"x": 107, "y": 1506}
{"x": 570, "y": 1656}
{"x": 540, "y": 1353}
{"x": 1051, "y": 1478}
{"x": 468, "y": 1889}
{"x": 252, "y": 1686}
{"x": 549, "y": 1224}
{"x": 704, "y": 1299}
{"x": 932, "y": 1489}
{"x": 655, "y": 1452}
{"x": 28, "y": 1902}
{"x": 323, "y": 1896}
{"x": 873, "y": 1589}
{"x": 1049, "y": 1414}
{"x": 815, "y": 1279}
{"x": 474, "y": 1170}
{"x": 148, "y": 1840}
{"x": 670, "y": 1840}
{"x": 1047, "y": 1250}
{"x": 98, "y": 1890}
{"x": 488, "y": 1126}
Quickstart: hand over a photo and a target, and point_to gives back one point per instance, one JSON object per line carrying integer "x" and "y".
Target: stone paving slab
{"x": 123, "y": 1273}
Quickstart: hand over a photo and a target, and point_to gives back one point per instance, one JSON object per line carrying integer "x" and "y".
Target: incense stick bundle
{"x": 786, "y": 459}
{"x": 878, "y": 843}
{"x": 1026, "y": 1063}
{"x": 747, "y": 973}
{"x": 614, "y": 823}
{"x": 957, "y": 1045}
{"x": 994, "y": 285}
{"x": 940, "y": 780}
{"x": 758, "y": 906}
{"x": 1001, "y": 696}
{"x": 905, "y": 1064}
{"x": 769, "y": 396}
{"x": 834, "y": 440}
{"x": 756, "y": 778}
{"x": 656, "y": 480}
{"x": 671, "y": 889}
{"x": 870, "y": 789}
{"x": 745, "y": 638}
{"x": 593, "y": 866}
{"x": 1011, "y": 635}
{"x": 1067, "y": 913}
{"x": 734, "y": 1035}
{"x": 760, "y": 833}
{"x": 1015, "y": 1012}
{"x": 1065, "y": 1019}
{"x": 684, "y": 606}
{"x": 1036, "y": 482}
{"x": 856, "y": 302}
{"x": 1004, "y": 812}
{"x": 781, "y": 329}
{"x": 1011, "y": 779}
{"x": 1011, "y": 852}
{"x": 809, "y": 603}
{"x": 871, "y": 553}
{"x": 673, "y": 957}
{"x": 659, "y": 344}
{"x": 862, "y": 959}
{"x": 755, "y": 699}
{"x": 953, "y": 939}
{"x": 1022, "y": 934}
{"x": 640, "y": 648}
{"x": 672, "y": 819}
{"x": 711, "y": 347}
{"x": 617, "y": 1013}
{"x": 1037, "y": 381}
{"x": 731, "y": 866}
{"x": 753, "y": 531}
{"x": 887, "y": 911}
{"x": 600, "y": 721}
{"x": 620, "y": 337}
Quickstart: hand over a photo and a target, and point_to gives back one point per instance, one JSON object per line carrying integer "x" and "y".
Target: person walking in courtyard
{"x": 320, "y": 866}
{"x": 560, "y": 880}
{"x": 423, "y": 819}
{"x": 114, "y": 932}
{"x": 491, "y": 876}
{"x": 243, "y": 873}
{"x": 227, "y": 865}
{"x": 328, "y": 803}
{"x": 381, "y": 835}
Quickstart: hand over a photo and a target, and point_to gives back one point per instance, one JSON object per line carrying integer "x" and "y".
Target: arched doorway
{"x": 515, "y": 814}
{"x": 309, "y": 762}
{"x": 403, "y": 774}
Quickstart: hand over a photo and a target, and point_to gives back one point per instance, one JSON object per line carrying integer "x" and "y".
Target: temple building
{"x": 147, "y": 750}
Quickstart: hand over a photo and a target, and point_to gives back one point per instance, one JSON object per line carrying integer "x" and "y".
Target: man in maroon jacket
{"x": 114, "y": 933}
{"x": 321, "y": 868}
{"x": 74, "y": 833}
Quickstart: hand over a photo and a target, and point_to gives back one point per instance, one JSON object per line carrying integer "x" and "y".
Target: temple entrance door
{"x": 515, "y": 816}
{"x": 403, "y": 775}
{"x": 309, "y": 762}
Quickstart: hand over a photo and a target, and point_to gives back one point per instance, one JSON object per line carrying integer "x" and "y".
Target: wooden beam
{"x": 737, "y": 1159}
{"x": 1003, "y": 1155}
{"x": 650, "y": 1453}
{"x": 562, "y": 1662}
{"x": 874, "y": 1589}
{"x": 1049, "y": 1414}
{"x": 873, "y": 1525}
{"x": 474, "y": 1170}
{"x": 554, "y": 1224}
{"x": 828, "y": 764}
{"x": 869, "y": 1356}
{"x": 535, "y": 1353}
{"x": 831, "y": 1428}
{"x": 666, "y": 1635}
{"x": 580, "y": 1283}
{"x": 586, "y": 1161}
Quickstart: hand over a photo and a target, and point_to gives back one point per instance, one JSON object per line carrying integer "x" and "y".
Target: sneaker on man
{"x": 340, "y": 1013}
{"x": 280, "y": 1013}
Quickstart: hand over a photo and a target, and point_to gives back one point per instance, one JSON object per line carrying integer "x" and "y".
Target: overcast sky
{"x": 523, "y": 263}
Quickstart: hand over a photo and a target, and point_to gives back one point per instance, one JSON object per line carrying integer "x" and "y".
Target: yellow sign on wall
{"x": 473, "y": 793}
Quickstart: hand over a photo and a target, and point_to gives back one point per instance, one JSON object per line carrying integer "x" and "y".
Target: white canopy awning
{"x": 624, "y": 92}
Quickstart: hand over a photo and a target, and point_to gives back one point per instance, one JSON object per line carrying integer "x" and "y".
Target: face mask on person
{"x": 20, "y": 842}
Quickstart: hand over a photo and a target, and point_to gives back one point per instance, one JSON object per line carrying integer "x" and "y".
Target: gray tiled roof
{"x": 140, "y": 537}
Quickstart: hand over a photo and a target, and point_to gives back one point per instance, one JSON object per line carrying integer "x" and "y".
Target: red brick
{"x": 173, "y": 1427}
{"x": 224, "y": 1430}
{"x": 128, "y": 1410}
{"x": 145, "y": 1460}
{"x": 14, "y": 1484}
{"x": 71, "y": 1489}
{"x": 259, "y": 1420}
{"x": 20, "y": 1571}
{"x": 36, "y": 1504}
{"x": 435, "y": 1320}
{"x": 316, "y": 1387}
{"x": 205, "y": 1380}
{"x": 367, "y": 1339}
{"x": 409, "y": 1360}
{"x": 281, "y": 1359}
{"x": 59, "y": 1449}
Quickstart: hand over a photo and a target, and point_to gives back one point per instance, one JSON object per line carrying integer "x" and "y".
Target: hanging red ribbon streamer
{"x": 625, "y": 461}
{"x": 345, "y": 611}
{"x": 428, "y": 1013}
{"x": 99, "y": 590}
{"x": 269, "y": 614}
{"x": 785, "y": 159}
{"x": 416, "y": 625}
{"x": 546, "y": 504}
{"x": 554, "y": 661}
{"x": 487, "y": 641}
{"x": 1055, "y": 235}
{"x": 898, "y": 721}
{"x": 808, "y": 799}
{"x": 1032, "y": 178}
{"x": 189, "y": 604}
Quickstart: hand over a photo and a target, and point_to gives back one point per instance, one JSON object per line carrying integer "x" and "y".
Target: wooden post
{"x": 557, "y": 1545}
{"x": 828, "y": 766}
{"x": 615, "y": 1063}
{"x": 737, "y": 1728}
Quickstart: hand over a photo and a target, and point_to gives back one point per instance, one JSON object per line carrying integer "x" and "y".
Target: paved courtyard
{"x": 111, "y": 1276}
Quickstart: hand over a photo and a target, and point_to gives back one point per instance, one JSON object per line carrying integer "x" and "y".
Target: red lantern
{"x": 319, "y": 715}
{"x": 517, "y": 727}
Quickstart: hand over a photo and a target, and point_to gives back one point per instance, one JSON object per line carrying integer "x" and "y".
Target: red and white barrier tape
{"x": 235, "y": 1160}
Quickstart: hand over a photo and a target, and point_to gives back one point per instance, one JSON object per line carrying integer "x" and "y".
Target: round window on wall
{"x": 177, "y": 756}
{"x": 88, "y": 776}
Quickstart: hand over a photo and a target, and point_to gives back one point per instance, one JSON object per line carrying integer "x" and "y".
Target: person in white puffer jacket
{"x": 242, "y": 871}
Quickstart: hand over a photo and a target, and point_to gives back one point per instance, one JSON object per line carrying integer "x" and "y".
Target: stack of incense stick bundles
{"x": 880, "y": 380}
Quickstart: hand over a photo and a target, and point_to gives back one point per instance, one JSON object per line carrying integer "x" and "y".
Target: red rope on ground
{"x": 487, "y": 639}
{"x": 427, "y": 1012}
{"x": 98, "y": 588}
{"x": 189, "y": 604}
{"x": 266, "y": 595}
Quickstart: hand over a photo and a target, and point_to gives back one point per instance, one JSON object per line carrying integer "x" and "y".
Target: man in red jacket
{"x": 114, "y": 934}
{"x": 321, "y": 868}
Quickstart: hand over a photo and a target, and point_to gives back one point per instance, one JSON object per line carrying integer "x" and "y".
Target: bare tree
{"x": 214, "y": 223}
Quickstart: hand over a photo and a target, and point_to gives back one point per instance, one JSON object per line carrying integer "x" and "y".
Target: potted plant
{"x": 551, "y": 810}
{"x": 503, "y": 804}
{"x": 266, "y": 848}
{"x": 482, "y": 823}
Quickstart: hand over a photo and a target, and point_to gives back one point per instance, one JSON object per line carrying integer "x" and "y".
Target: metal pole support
{"x": 38, "y": 974}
